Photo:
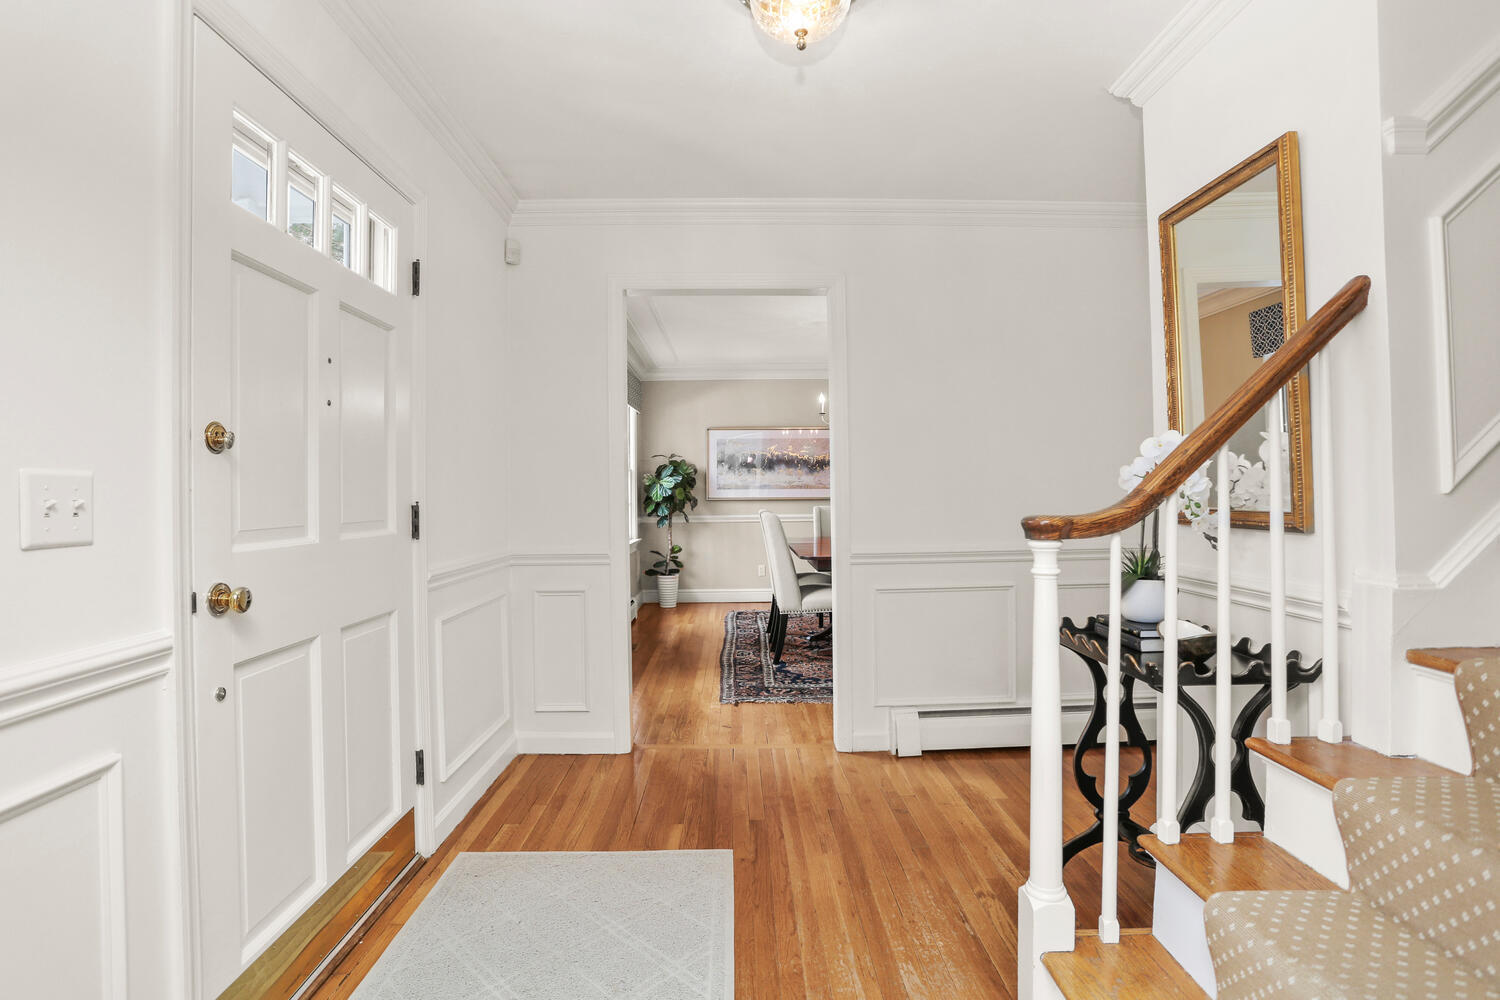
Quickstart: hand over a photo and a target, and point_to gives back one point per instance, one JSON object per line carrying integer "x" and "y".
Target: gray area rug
{"x": 568, "y": 926}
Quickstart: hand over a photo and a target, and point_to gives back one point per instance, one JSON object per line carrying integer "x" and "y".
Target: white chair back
{"x": 822, "y": 522}
{"x": 779, "y": 561}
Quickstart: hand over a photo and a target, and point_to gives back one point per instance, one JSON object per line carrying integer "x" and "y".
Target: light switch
{"x": 57, "y": 508}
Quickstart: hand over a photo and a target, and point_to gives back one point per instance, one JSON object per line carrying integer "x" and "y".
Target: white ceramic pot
{"x": 666, "y": 591}
{"x": 1145, "y": 601}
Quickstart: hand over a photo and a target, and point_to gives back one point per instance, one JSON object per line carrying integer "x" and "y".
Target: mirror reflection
{"x": 1227, "y": 267}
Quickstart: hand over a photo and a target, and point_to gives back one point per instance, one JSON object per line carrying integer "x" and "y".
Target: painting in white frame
{"x": 768, "y": 463}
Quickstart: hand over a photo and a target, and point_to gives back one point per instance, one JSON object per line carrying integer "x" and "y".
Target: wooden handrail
{"x": 1210, "y": 436}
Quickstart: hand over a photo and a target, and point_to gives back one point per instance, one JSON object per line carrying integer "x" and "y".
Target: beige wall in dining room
{"x": 675, "y": 417}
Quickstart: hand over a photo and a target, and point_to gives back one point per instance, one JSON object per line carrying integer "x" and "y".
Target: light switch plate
{"x": 57, "y": 508}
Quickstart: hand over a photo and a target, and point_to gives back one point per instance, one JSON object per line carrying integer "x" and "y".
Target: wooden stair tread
{"x": 1252, "y": 863}
{"x": 1137, "y": 967}
{"x": 1326, "y": 763}
{"x": 1447, "y": 658}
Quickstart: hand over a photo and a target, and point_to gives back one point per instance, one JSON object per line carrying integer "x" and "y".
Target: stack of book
{"x": 1144, "y": 638}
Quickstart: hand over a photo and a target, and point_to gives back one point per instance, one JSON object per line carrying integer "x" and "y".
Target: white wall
{"x": 722, "y": 542}
{"x": 994, "y": 371}
{"x": 86, "y": 665}
{"x": 1250, "y": 83}
{"x": 88, "y": 670}
{"x": 1446, "y": 560}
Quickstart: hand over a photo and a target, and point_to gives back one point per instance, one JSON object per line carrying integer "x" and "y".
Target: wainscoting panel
{"x": 950, "y": 633}
{"x": 472, "y": 730}
{"x": 88, "y": 824}
{"x": 562, "y": 624}
{"x": 950, "y": 660}
{"x": 67, "y": 831}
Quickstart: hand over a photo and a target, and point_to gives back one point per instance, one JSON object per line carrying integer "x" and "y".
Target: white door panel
{"x": 307, "y": 760}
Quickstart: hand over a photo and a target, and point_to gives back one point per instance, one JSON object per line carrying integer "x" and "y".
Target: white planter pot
{"x": 666, "y": 591}
{"x": 1145, "y": 601}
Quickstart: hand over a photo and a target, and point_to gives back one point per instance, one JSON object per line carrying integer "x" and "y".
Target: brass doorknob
{"x": 218, "y": 437}
{"x": 222, "y": 599}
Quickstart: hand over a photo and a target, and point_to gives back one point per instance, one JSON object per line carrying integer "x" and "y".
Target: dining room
{"x": 731, "y": 516}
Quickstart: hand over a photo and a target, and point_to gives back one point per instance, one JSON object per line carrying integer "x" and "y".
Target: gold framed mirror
{"x": 1232, "y": 292}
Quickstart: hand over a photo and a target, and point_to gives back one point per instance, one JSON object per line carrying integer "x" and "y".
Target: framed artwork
{"x": 768, "y": 463}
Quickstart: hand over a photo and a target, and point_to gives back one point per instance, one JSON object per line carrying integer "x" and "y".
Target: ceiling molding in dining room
{"x": 373, "y": 35}
{"x": 562, "y": 212}
{"x": 1460, "y": 96}
{"x": 1182, "y": 39}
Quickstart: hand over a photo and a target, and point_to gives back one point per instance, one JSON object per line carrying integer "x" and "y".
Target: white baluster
{"x": 1045, "y": 914}
{"x": 1109, "y": 922}
{"x": 1167, "y": 830}
{"x": 1278, "y": 726}
{"x": 1221, "y": 828}
{"x": 1330, "y": 729}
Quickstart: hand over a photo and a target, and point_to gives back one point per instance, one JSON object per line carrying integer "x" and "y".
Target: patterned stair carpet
{"x": 1422, "y": 917}
{"x": 641, "y": 925}
{"x": 748, "y": 674}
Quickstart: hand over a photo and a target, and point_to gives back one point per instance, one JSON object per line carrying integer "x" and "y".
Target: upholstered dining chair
{"x": 789, "y": 595}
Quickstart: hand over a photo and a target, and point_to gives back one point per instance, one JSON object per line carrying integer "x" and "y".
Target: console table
{"x": 1195, "y": 669}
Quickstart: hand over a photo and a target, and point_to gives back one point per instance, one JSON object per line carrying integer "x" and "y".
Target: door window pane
{"x": 250, "y": 167}
{"x": 250, "y": 184}
{"x": 302, "y": 201}
{"x": 341, "y": 238}
{"x": 382, "y": 253}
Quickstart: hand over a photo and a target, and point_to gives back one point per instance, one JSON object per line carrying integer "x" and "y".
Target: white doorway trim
{"x": 264, "y": 56}
{"x": 622, "y": 587}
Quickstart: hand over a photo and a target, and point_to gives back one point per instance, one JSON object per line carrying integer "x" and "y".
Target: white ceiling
{"x": 949, "y": 99}
{"x": 685, "y": 336}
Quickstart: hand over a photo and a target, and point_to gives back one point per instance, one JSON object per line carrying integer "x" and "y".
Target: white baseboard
{"x": 567, "y": 743}
{"x": 447, "y": 820}
{"x": 714, "y": 596}
{"x": 979, "y": 729}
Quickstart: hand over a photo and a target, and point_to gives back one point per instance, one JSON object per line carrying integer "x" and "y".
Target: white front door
{"x": 301, "y": 348}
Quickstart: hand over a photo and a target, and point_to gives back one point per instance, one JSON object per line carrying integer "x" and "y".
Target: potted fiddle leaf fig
{"x": 668, "y": 492}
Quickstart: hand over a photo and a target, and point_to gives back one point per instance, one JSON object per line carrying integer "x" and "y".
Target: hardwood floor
{"x": 856, "y": 875}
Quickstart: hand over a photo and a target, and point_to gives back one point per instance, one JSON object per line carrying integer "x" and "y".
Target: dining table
{"x": 818, "y": 552}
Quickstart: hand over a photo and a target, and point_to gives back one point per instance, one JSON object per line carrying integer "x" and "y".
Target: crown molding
{"x": 1183, "y": 38}
{"x": 374, "y": 36}
{"x": 762, "y": 371}
{"x": 832, "y": 212}
{"x": 1476, "y": 82}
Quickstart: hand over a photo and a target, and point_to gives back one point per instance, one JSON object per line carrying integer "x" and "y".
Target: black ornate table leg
{"x": 1130, "y": 830}
{"x": 1201, "y": 790}
{"x": 1252, "y": 806}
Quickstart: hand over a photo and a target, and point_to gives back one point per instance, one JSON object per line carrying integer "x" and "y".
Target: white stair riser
{"x": 1300, "y": 818}
{"x": 1439, "y": 733}
{"x": 1177, "y": 922}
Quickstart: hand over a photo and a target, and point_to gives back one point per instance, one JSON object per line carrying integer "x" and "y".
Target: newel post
{"x": 1045, "y": 913}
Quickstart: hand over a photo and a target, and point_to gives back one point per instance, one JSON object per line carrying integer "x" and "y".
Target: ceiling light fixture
{"x": 799, "y": 22}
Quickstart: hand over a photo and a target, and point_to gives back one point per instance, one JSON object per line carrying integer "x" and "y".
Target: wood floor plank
{"x": 856, "y": 875}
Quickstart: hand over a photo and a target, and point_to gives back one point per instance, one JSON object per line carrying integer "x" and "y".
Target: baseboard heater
{"x": 914, "y": 731}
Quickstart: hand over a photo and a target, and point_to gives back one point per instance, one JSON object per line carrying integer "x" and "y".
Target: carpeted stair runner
{"x": 1422, "y": 917}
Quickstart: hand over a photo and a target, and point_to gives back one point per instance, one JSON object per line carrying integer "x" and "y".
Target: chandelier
{"x": 799, "y": 22}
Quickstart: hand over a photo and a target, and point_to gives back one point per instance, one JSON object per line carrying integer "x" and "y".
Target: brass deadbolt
{"x": 218, "y": 437}
{"x": 222, "y": 599}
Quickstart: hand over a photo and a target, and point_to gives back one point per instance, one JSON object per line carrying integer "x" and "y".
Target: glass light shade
{"x": 799, "y": 22}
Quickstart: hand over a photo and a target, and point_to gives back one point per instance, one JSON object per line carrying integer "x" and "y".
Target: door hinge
{"x": 416, "y": 520}
{"x": 416, "y": 278}
{"x": 421, "y": 768}
{"x": 193, "y": 604}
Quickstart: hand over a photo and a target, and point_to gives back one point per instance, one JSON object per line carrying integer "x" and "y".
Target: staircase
{"x": 1401, "y": 900}
{"x": 1374, "y": 876}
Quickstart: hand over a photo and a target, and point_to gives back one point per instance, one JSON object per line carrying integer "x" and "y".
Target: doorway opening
{"x": 730, "y": 606}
